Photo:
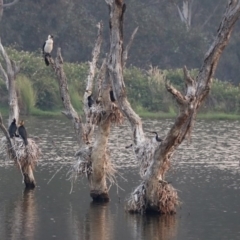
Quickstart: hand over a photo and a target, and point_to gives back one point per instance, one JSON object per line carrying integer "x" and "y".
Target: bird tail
{"x": 46, "y": 60}
{"x": 25, "y": 142}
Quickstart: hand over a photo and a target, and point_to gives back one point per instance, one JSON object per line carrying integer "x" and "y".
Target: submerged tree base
{"x": 164, "y": 199}
{"x": 99, "y": 196}
{"x": 29, "y": 182}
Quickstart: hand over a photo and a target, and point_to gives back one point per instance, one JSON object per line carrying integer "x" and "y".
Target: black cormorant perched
{"x": 90, "y": 101}
{"x": 12, "y": 129}
{"x": 158, "y": 139}
{"x": 47, "y": 48}
{"x": 112, "y": 96}
{"x": 22, "y": 132}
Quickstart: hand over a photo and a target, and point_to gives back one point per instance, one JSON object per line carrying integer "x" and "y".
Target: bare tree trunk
{"x": 92, "y": 158}
{"x": 24, "y": 156}
{"x": 155, "y": 194}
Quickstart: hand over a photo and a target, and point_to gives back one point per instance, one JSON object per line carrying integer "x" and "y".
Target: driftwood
{"x": 92, "y": 158}
{"x": 154, "y": 193}
{"x": 25, "y": 157}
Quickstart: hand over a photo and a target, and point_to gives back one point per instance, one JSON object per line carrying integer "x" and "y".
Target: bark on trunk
{"x": 155, "y": 194}
{"x": 29, "y": 179}
{"x": 24, "y": 156}
{"x": 92, "y": 158}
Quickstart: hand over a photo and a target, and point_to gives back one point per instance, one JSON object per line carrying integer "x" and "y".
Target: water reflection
{"x": 206, "y": 173}
{"x": 97, "y": 223}
{"x": 23, "y": 219}
{"x": 153, "y": 226}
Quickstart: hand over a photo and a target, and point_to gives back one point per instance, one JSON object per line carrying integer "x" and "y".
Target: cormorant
{"x": 12, "y": 129}
{"x": 112, "y": 96}
{"x": 47, "y": 48}
{"x": 90, "y": 101}
{"x": 22, "y": 132}
{"x": 158, "y": 139}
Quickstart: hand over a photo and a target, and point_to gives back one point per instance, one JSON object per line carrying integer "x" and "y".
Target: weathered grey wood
{"x": 5, "y": 5}
{"x": 90, "y": 81}
{"x": 69, "y": 111}
{"x": 149, "y": 195}
{"x": 115, "y": 68}
{"x": 92, "y": 158}
{"x": 126, "y": 50}
{"x": 24, "y": 156}
{"x": 12, "y": 69}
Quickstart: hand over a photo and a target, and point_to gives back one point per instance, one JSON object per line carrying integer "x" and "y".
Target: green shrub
{"x": 26, "y": 94}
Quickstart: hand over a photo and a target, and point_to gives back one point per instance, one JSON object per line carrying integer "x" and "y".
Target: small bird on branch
{"x": 158, "y": 139}
{"x": 12, "y": 129}
{"x": 47, "y": 49}
{"x": 22, "y": 132}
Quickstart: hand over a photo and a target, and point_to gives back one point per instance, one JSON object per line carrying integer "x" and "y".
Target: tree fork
{"x": 155, "y": 194}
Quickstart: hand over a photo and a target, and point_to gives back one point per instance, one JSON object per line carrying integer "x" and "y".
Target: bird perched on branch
{"x": 112, "y": 98}
{"x": 12, "y": 129}
{"x": 90, "y": 101}
{"x": 47, "y": 48}
{"x": 22, "y": 132}
{"x": 158, "y": 139}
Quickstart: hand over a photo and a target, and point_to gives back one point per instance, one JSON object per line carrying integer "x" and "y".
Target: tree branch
{"x": 125, "y": 52}
{"x": 115, "y": 68}
{"x": 90, "y": 80}
{"x": 10, "y": 4}
{"x": 5, "y": 132}
{"x": 12, "y": 70}
{"x": 4, "y": 76}
{"x": 69, "y": 112}
{"x": 212, "y": 56}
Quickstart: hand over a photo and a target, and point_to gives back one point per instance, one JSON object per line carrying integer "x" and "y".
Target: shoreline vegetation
{"x": 37, "y": 90}
{"x": 143, "y": 114}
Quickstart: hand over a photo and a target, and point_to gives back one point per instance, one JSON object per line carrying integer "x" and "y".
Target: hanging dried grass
{"x": 110, "y": 170}
{"x": 82, "y": 165}
{"x": 21, "y": 154}
{"x": 144, "y": 154}
{"x": 136, "y": 203}
{"x": 99, "y": 114}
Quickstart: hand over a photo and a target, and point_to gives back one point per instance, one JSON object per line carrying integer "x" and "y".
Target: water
{"x": 206, "y": 173}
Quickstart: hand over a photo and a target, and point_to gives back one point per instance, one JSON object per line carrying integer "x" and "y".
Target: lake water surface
{"x": 205, "y": 172}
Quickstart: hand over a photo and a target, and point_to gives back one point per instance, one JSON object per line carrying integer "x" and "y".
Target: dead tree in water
{"x": 154, "y": 193}
{"x": 92, "y": 158}
{"x": 25, "y": 157}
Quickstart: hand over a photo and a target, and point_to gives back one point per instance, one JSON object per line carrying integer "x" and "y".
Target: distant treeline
{"x": 162, "y": 39}
{"x": 37, "y": 87}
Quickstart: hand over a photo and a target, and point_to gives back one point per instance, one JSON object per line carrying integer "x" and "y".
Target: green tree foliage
{"x": 37, "y": 87}
{"x": 162, "y": 39}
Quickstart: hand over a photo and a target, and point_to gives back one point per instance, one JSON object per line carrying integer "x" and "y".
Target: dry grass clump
{"x": 83, "y": 164}
{"x": 137, "y": 200}
{"x": 166, "y": 199}
{"x": 99, "y": 114}
{"x": 21, "y": 154}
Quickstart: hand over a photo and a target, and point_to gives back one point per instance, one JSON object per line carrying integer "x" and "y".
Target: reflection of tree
{"x": 97, "y": 223}
{"x": 153, "y": 227}
{"x": 24, "y": 218}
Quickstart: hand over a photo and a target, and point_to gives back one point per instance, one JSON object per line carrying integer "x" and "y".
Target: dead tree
{"x": 92, "y": 158}
{"x": 25, "y": 157}
{"x": 154, "y": 193}
{"x": 6, "y": 5}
